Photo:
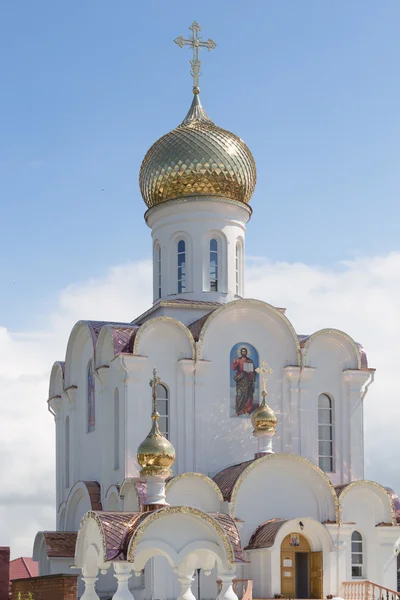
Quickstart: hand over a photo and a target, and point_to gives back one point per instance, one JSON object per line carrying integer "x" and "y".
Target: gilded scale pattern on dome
{"x": 197, "y": 159}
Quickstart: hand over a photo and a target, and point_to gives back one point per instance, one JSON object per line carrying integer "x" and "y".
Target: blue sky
{"x": 88, "y": 86}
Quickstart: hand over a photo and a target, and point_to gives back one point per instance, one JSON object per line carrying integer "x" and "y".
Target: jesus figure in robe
{"x": 245, "y": 382}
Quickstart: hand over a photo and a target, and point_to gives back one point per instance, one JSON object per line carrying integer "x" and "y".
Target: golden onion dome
{"x": 197, "y": 158}
{"x": 156, "y": 454}
{"x": 264, "y": 419}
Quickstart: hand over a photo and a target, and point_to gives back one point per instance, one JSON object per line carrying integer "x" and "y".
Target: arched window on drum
{"x": 181, "y": 266}
{"x": 213, "y": 265}
{"x": 163, "y": 409}
{"x": 325, "y": 433}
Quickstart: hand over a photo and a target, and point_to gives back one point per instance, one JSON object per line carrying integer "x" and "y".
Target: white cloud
{"x": 360, "y": 297}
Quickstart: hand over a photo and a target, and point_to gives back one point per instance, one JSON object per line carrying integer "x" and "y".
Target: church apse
{"x": 244, "y": 384}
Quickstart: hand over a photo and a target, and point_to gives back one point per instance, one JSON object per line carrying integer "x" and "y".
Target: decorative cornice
{"x": 375, "y": 485}
{"x": 245, "y": 302}
{"x": 201, "y": 476}
{"x": 164, "y": 319}
{"x": 331, "y": 331}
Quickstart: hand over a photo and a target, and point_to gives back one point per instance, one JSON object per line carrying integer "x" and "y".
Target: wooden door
{"x": 288, "y": 580}
{"x": 316, "y": 575}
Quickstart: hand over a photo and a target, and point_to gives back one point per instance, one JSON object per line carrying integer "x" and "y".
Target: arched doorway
{"x": 301, "y": 569}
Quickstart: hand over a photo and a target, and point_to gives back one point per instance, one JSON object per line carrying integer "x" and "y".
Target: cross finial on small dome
{"x": 196, "y": 43}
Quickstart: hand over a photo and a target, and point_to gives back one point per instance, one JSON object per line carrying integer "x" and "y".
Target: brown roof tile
{"x": 232, "y": 533}
{"x": 227, "y": 478}
{"x": 60, "y": 544}
{"x": 264, "y": 535}
{"x": 118, "y": 528}
{"x": 94, "y": 490}
{"x": 124, "y": 338}
{"x": 196, "y": 327}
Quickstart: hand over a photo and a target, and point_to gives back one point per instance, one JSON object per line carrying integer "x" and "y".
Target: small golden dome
{"x": 264, "y": 419}
{"x": 197, "y": 158}
{"x": 156, "y": 454}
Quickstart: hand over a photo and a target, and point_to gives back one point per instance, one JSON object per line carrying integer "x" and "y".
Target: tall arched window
{"x": 325, "y": 433}
{"x": 213, "y": 265}
{"x": 159, "y": 270}
{"x": 116, "y": 429}
{"x": 91, "y": 408}
{"x": 163, "y": 409}
{"x": 357, "y": 560}
{"x": 181, "y": 266}
{"x": 67, "y": 451}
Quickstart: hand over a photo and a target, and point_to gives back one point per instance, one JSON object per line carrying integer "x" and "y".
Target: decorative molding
{"x": 337, "y": 332}
{"x": 376, "y": 486}
{"x": 174, "y": 510}
{"x": 206, "y": 479}
{"x": 294, "y": 457}
{"x": 164, "y": 319}
{"x": 247, "y": 301}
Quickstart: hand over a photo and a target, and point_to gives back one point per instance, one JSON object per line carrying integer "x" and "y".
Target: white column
{"x": 290, "y": 412}
{"x": 354, "y": 381}
{"x": 226, "y": 592}
{"x": 155, "y": 493}
{"x": 90, "y": 586}
{"x": 186, "y": 579}
{"x": 122, "y": 573}
{"x": 308, "y": 426}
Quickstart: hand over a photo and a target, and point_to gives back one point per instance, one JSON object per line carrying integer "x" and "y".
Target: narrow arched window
{"x": 116, "y": 429}
{"x": 181, "y": 266}
{"x": 213, "y": 265}
{"x": 357, "y": 559}
{"x": 163, "y": 409}
{"x": 159, "y": 270}
{"x": 67, "y": 453}
{"x": 238, "y": 260}
{"x": 325, "y": 433}
{"x": 91, "y": 407}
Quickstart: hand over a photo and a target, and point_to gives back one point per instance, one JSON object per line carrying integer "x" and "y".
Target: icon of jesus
{"x": 245, "y": 379}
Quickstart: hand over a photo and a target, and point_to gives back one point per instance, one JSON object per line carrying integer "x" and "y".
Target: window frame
{"x": 211, "y": 252}
{"x": 167, "y": 414}
{"x": 356, "y": 565}
{"x": 324, "y": 457}
{"x": 182, "y": 287}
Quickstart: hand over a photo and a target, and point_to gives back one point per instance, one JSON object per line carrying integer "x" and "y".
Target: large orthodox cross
{"x": 154, "y": 382}
{"x": 196, "y": 43}
{"x": 264, "y": 371}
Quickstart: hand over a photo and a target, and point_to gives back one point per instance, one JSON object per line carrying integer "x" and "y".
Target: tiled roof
{"x": 96, "y": 326}
{"x": 396, "y": 502}
{"x": 232, "y": 533}
{"x": 227, "y": 478}
{"x": 118, "y": 528}
{"x": 264, "y": 535}
{"x": 124, "y": 338}
{"x": 60, "y": 544}
{"x": 94, "y": 490}
{"x": 196, "y": 327}
{"x": 23, "y": 568}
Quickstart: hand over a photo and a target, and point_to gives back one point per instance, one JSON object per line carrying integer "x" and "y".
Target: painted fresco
{"x": 91, "y": 414}
{"x": 243, "y": 379}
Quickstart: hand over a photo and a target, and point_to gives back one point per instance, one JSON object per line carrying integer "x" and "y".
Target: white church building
{"x": 228, "y": 496}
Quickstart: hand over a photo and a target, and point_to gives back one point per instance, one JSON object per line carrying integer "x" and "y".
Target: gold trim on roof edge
{"x": 174, "y": 510}
{"x": 206, "y": 479}
{"x": 164, "y": 319}
{"x": 295, "y": 457}
{"x": 372, "y": 484}
{"x": 332, "y": 331}
{"x": 245, "y": 301}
